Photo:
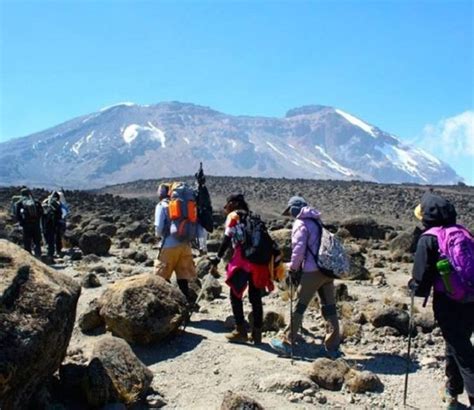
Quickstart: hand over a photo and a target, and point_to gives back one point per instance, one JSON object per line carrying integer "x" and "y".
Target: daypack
{"x": 182, "y": 211}
{"x": 257, "y": 245}
{"x": 16, "y": 199}
{"x": 50, "y": 210}
{"x": 29, "y": 209}
{"x": 332, "y": 258}
{"x": 456, "y": 244}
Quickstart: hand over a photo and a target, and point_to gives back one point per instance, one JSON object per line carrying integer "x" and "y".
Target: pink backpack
{"x": 457, "y": 245}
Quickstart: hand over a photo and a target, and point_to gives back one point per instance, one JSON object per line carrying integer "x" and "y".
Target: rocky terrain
{"x": 126, "y": 142}
{"x": 127, "y": 343}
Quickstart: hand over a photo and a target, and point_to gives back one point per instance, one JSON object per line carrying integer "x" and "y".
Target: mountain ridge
{"x": 127, "y": 141}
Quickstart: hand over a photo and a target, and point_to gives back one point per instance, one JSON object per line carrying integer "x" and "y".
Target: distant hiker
{"x": 52, "y": 223}
{"x": 28, "y": 213}
{"x": 204, "y": 211}
{"x": 241, "y": 271}
{"x": 304, "y": 270}
{"x": 444, "y": 261}
{"x": 175, "y": 224}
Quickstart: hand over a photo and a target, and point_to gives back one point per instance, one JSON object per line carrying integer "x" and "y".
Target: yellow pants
{"x": 178, "y": 259}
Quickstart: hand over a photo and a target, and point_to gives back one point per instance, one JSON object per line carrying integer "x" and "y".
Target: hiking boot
{"x": 238, "y": 335}
{"x": 450, "y": 400}
{"x": 257, "y": 336}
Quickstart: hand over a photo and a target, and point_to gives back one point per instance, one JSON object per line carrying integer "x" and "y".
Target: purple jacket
{"x": 305, "y": 233}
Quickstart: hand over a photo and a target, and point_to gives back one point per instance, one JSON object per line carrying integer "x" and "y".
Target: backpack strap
{"x": 308, "y": 249}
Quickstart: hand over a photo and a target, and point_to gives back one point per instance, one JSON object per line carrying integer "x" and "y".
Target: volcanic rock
{"x": 37, "y": 312}
{"x": 92, "y": 242}
{"x": 361, "y": 382}
{"x": 328, "y": 374}
{"x": 142, "y": 309}
{"x": 234, "y": 401}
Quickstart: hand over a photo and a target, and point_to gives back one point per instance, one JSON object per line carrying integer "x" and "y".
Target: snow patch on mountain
{"x": 124, "y": 104}
{"x": 89, "y": 137}
{"x": 356, "y": 121}
{"x": 276, "y": 150}
{"x": 157, "y": 134}
{"x": 333, "y": 164}
{"x": 132, "y": 131}
{"x": 77, "y": 146}
{"x": 403, "y": 158}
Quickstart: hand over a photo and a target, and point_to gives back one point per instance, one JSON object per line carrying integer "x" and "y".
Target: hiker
{"x": 453, "y": 301}
{"x": 305, "y": 272}
{"x": 52, "y": 223}
{"x": 241, "y": 273}
{"x": 175, "y": 253}
{"x": 28, "y": 213}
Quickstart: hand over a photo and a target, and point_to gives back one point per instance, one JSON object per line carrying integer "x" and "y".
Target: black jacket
{"x": 436, "y": 211}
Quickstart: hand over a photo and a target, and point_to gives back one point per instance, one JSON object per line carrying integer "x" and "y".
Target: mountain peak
{"x": 307, "y": 110}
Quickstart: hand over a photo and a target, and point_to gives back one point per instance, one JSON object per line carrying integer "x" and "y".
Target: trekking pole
{"x": 410, "y": 326}
{"x": 199, "y": 297}
{"x": 291, "y": 321}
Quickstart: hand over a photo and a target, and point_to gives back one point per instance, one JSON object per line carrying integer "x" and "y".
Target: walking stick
{"x": 199, "y": 297}
{"x": 410, "y": 326}
{"x": 292, "y": 336}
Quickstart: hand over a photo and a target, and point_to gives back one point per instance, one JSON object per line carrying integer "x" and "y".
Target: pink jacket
{"x": 305, "y": 233}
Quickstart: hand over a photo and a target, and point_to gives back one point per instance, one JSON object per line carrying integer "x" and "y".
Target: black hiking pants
{"x": 255, "y": 298}
{"x": 53, "y": 232}
{"x": 32, "y": 237}
{"x": 456, "y": 321}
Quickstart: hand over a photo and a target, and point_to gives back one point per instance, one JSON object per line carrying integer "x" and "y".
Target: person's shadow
{"x": 168, "y": 348}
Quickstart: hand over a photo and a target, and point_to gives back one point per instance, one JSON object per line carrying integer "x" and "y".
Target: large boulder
{"x": 391, "y": 316}
{"x": 95, "y": 243}
{"x": 328, "y": 374}
{"x": 142, "y": 309}
{"x": 122, "y": 376}
{"x": 364, "y": 227}
{"x": 283, "y": 238}
{"x": 37, "y": 312}
{"x": 403, "y": 243}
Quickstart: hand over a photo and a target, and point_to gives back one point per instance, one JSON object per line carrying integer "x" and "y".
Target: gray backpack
{"x": 332, "y": 258}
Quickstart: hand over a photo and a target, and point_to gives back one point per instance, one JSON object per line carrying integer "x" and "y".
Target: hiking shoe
{"x": 282, "y": 347}
{"x": 238, "y": 335}
{"x": 450, "y": 400}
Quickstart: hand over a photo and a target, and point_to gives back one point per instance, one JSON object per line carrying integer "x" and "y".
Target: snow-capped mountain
{"x": 126, "y": 142}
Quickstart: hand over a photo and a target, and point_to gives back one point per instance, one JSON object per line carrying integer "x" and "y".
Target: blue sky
{"x": 405, "y": 66}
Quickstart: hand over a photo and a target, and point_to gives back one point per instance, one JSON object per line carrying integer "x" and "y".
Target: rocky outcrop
{"x": 361, "y": 382}
{"x": 37, "y": 312}
{"x": 234, "y": 401}
{"x": 142, "y": 309}
{"x": 328, "y": 374}
{"x": 393, "y": 317}
{"x": 96, "y": 243}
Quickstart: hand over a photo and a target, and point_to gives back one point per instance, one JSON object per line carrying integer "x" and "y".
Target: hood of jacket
{"x": 308, "y": 213}
{"x": 437, "y": 211}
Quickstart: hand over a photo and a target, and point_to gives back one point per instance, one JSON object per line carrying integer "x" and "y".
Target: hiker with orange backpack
{"x": 175, "y": 224}
{"x": 444, "y": 261}
{"x": 249, "y": 266}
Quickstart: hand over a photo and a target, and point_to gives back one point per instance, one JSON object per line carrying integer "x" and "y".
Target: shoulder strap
{"x": 308, "y": 249}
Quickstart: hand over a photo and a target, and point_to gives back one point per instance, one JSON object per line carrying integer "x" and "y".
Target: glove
{"x": 214, "y": 260}
{"x": 295, "y": 276}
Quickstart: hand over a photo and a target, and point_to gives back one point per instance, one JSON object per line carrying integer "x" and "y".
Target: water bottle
{"x": 444, "y": 269}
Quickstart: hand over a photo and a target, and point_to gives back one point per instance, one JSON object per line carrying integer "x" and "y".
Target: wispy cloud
{"x": 452, "y": 137}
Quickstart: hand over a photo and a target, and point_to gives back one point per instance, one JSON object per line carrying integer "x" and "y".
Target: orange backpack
{"x": 182, "y": 211}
